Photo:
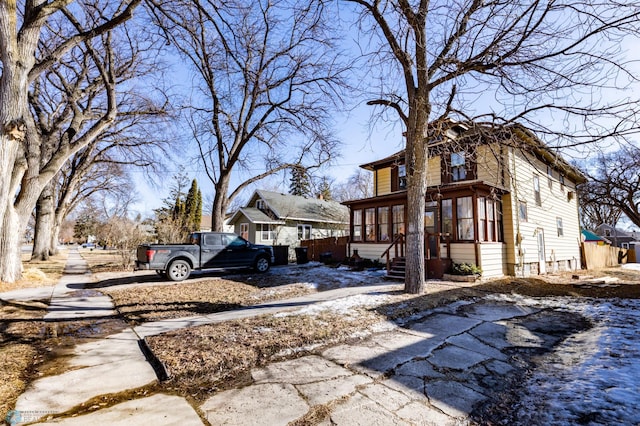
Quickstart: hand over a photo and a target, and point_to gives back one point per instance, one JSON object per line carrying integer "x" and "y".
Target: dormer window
{"x": 458, "y": 166}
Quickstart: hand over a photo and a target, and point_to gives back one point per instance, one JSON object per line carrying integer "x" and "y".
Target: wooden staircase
{"x": 397, "y": 269}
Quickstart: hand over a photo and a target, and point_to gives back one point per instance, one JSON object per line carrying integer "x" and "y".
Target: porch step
{"x": 398, "y": 268}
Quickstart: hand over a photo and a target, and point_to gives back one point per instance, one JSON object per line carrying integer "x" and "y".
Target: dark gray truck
{"x": 205, "y": 250}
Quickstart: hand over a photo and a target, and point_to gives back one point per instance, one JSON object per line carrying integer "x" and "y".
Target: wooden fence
{"x": 595, "y": 256}
{"x": 320, "y": 248}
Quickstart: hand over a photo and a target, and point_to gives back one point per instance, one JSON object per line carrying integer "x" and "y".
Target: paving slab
{"x": 308, "y": 369}
{"x": 390, "y": 398}
{"x": 25, "y": 294}
{"x": 422, "y": 414}
{"x": 488, "y": 311}
{"x": 456, "y": 358}
{"x": 443, "y": 325}
{"x": 64, "y": 391}
{"x": 157, "y": 410}
{"x": 70, "y": 308}
{"x": 453, "y": 398}
{"x": 263, "y": 404}
{"x": 472, "y": 343}
{"x": 412, "y": 387}
{"x": 418, "y": 368}
{"x": 492, "y": 334}
{"x": 325, "y": 391}
{"x": 362, "y": 411}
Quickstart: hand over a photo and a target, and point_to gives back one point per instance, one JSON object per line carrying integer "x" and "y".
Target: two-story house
{"x": 496, "y": 198}
{"x": 274, "y": 218}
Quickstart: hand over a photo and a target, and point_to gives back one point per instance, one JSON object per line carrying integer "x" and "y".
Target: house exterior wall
{"x": 493, "y": 259}
{"x": 556, "y": 201}
{"x": 383, "y": 181}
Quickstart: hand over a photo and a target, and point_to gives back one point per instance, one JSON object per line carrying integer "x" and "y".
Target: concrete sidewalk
{"x": 99, "y": 366}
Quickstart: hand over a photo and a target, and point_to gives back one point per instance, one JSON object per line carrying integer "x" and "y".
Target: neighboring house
{"x": 498, "y": 199}
{"x": 284, "y": 219}
{"x": 618, "y": 237}
{"x": 206, "y": 223}
{"x": 593, "y": 238}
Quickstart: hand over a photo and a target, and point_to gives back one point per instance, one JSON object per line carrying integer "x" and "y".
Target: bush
{"x": 465, "y": 269}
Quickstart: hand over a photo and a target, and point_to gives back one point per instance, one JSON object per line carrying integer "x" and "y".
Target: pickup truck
{"x": 204, "y": 250}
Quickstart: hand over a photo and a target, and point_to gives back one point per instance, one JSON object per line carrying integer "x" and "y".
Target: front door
{"x": 430, "y": 230}
{"x": 542, "y": 261}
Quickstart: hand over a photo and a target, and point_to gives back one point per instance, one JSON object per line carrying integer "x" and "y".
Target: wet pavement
{"x": 441, "y": 368}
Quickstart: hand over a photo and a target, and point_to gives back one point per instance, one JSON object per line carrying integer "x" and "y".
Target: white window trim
{"x": 304, "y": 226}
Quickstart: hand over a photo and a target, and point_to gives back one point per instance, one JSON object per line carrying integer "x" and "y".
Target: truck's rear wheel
{"x": 262, "y": 264}
{"x": 178, "y": 270}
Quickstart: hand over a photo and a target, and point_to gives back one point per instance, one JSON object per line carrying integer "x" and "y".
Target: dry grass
{"x": 21, "y": 336}
{"x": 38, "y": 273}
{"x": 205, "y": 296}
{"x": 100, "y": 260}
{"x": 205, "y": 359}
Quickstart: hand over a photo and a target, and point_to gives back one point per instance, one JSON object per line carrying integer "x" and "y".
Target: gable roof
{"x": 589, "y": 236}
{"x": 528, "y": 141}
{"x": 293, "y": 207}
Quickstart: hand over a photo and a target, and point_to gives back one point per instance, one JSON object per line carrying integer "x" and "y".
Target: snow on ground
{"x": 592, "y": 377}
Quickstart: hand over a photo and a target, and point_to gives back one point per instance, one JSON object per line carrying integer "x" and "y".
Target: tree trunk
{"x": 220, "y": 204}
{"x": 45, "y": 216}
{"x": 416, "y": 159}
{"x": 10, "y": 247}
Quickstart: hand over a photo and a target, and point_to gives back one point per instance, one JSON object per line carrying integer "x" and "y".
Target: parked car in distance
{"x": 204, "y": 250}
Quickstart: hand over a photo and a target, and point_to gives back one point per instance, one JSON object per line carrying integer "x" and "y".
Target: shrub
{"x": 465, "y": 269}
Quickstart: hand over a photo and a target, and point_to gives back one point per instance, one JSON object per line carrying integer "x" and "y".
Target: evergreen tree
{"x": 324, "y": 189}
{"x": 193, "y": 208}
{"x": 299, "y": 181}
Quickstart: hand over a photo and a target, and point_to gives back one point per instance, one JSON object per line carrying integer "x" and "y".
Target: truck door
{"x": 211, "y": 251}
{"x": 237, "y": 252}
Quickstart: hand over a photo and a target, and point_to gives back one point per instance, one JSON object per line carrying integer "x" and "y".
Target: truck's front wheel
{"x": 262, "y": 264}
{"x": 178, "y": 270}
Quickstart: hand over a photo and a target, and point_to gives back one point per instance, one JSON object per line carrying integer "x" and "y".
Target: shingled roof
{"x": 281, "y": 207}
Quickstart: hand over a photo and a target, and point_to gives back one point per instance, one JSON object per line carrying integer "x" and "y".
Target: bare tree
{"x": 358, "y": 185}
{"x": 267, "y": 75}
{"x": 69, "y": 95}
{"x": 497, "y": 62}
{"x": 613, "y": 188}
{"x": 22, "y": 176}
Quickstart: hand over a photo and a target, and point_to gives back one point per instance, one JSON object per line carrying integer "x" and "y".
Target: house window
{"x": 383, "y": 223}
{"x": 491, "y": 220}
{"x": 607, "y": 232}
{"x": 482, "y": 219}
{"x": 498, "y": 210}
{"x": 398, "y": 219}
{"x": 559, "y": 225}
{"x": 447, "y": 217}
{"x": 260, "y": 204}
{"x": 458, "y": 166}
{"x": 464, "y": 215}
{"x": 304, "y": 232}
{"x": 562, "y": 183}
{"x": 267, "y": 232}
{"x": 370, "y": 224}
{"x": 550, "y": 176}
{"x": 402, "y": 176}
{"x": 244, "y": 230}
{"x": 357, "y": 225}
{"x": 522, "y": 208}
{"x": 536, "y": 190}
